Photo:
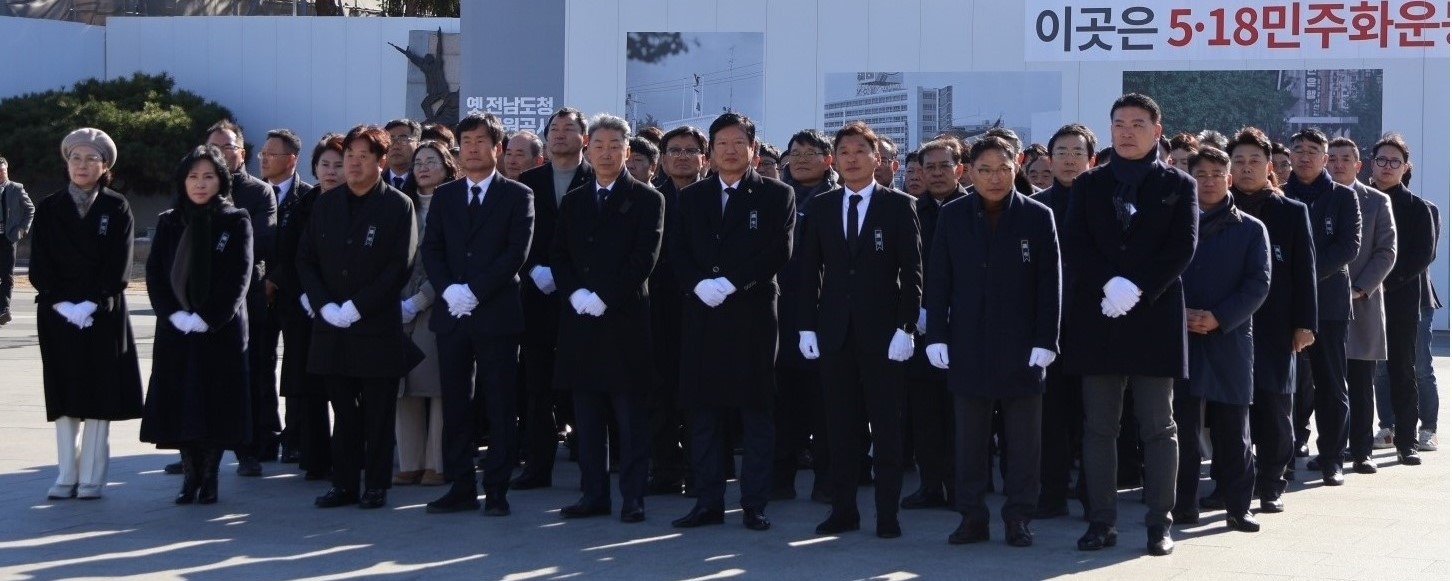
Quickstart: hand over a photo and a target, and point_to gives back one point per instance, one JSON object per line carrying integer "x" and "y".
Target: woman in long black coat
{"x": 80, "y": 264}
{"x": 197, "y": 277}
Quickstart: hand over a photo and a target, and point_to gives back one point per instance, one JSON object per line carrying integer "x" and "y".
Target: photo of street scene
{"x": 689, "y": 78}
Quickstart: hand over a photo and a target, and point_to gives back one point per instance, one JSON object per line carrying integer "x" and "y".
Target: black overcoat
{"x": 542, "y": 311}
{"x": 1416, "y": 248}
{"x": 1336, "y": 231}
{"x": 198, "y": 394}
{"x": 1291, "y": 303}
{"x": 929, "y": 209}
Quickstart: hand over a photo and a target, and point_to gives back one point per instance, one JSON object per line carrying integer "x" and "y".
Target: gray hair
{"x": 536, "y": 145}
{"x": 611, "y": 122}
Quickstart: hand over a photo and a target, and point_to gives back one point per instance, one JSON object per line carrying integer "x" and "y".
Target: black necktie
{"x": 277, "y": 193}
{"x": 476, "y": 201}
{"x": 852, "y": 219}
{"x": 600, "y": 196}
{"x": 729, "y": 192}
{"x": 398, "y": 183}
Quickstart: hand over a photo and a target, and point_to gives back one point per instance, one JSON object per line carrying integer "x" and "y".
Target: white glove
{"x": 64, "y": 309}
{"x": 938, "y": 355}
{"x": 593, "y": 305}
{"x": 408, "y": 312}
{"x": 724, "y": 285}
{"x": 181, "y": 321}
{"x": 544, "y": 278}
{"x": 196, "y": 323}
{"x": 710, "y": 293}
{"x": 81, "y": 314}
{"x": 923, "y": 321}
{"x": 461, "y": 300}
{"x": 901, "y": 347}
{"x": 577, "y": 300}
{"x": 307, "y": 306}
{"x": 1109, "y": 309}
{"x": 1041, "y": 357}
{"x": 808, "y": 345}
{"x": 350, "y": 312}
{"x": 1122, "y": 293}
{"x": 333, "y": 314}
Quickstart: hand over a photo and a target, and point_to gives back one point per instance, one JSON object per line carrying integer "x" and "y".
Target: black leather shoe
{"x": 699, "y": 517}
{"x": 888, "y": 527}
{"x": 529, "y": 482}
{"x": 969, "y": 532}
{"x": 1409, "y": 457}
{"x": 657, "y": 487}
{"x": 249, "y": 466}
{"x": 455, "y": 500}
{"x": 291, "y": 455}
{"x": 632, "y": 511}
{"x": 1160, "y": 543}
{"x": 755, "y": 519}
{"x": 1244, "y": 523}
{"x": 1051, "y": 511}
{"x": 373, "y": 498}
{"x": 1017, "y": 534}
{"x": 173, "y": 468}
{"x": 1099, "y": 536}
{"x": 836, "y": 524}
{"x": 1363, "y": 467}
{"x": 923, "y": 498}
{"x": 1188, "y": 517}
{"x": 1303, "y": 451}
{"x": 1333, "y": 477}
{"x": 582, "y": 510}
{"x": 336, "y": 497}
{"x": 495, "y": 505}
{"x": 1212, "y": 502}
{"x": 1272, "y": 505}
{"x": 1289, "y": 475}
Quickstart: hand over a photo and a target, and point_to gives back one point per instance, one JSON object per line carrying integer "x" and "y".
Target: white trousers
{"x": 87, "y": 464}
{"x": 419, "y": 428}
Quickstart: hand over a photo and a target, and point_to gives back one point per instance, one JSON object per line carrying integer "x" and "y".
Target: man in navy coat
{"x": 1130, "y": 234}
{"x": 475, "y": 241}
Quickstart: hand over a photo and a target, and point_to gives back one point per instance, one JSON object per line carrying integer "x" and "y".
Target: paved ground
{"x": 1393, "y": 525}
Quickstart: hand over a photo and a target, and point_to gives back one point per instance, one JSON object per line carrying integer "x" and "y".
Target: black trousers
{"x": 861, "y": 387}
{"x": 1275, "y": 446}
{"x": 709, "y": 454}
{"x": 7, "y": 269}
{"x": 1305, "y": 398}
{"x": 668, "y": 434}
{"x": 1401, "y": 360}
{"x": 930, "y": 410}
{"x": 1361, "y": 395}
{"x": 1332, "y": 402}
{"x": 306, "y": 407}
{"x": 798, "y": 419}
{"x": 1063, "y": 434}
{"x": 1234, "y": 472}
{"x": 545, "y": 410}
{"x": 1022, "y": 439}
{"x": 593, "y": 411}
{"x": 364, "y": 411}
{"x": 262, "y": 376}
{"x": 471, "y": 368}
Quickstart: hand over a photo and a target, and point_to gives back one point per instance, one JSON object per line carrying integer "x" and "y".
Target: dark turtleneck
{"x": 1252, "y": 203}
{"x": 993, "y": 210}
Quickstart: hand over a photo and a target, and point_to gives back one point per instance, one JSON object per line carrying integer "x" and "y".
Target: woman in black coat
{"x": 197, "y": 278}
{"x": 993, "y": 314}
{"x": 80, "y": 264}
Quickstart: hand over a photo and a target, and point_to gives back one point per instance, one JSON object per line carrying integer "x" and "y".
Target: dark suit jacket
{"x": 1429, "y": 294}
{"x": 1291, "y": 302}
{"x": 485, "y": 254}
{"x": 873, "y": 287}
{"x": 1151, "y": 253}
{"x": 541, "y": 310}
{"x": 410, "y": 185}
{"x": 928, "y": 212}
{"x": 292, "y": 219}
{"x": 255, "y": 196}
{"x": 363, "y": 254}
{"x": 609, "y": 251}
{"x": 1416, "y": 247}
{"x": 993, "y": 295}
{"x": 1336, "y": 231}
{"x": 19, "y": 210}
{"x": 728, "y": 353}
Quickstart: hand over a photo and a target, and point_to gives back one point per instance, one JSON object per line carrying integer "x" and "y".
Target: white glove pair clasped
{"x": 343, "y": 316}
{"x": 938, "y": 356}
{"x": 188, "y": 322}
{"x": 543, "y": 278}
{"x": 460, "y": 299}
{"x": 1120, "y": 295}
{"x": 78, "y": 314}
{"x": 713, "y": 291}
{"x": 900, "y": 349}
{"x": 587, "y": 303}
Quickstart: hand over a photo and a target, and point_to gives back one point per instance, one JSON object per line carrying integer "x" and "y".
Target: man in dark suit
{"x": 257, "y": 197}
{"x": 475, "y": 240}
{"x": 929, "y": 403}
{"x": 546, "y": 410}
{"x": 16, "y": 211}
{"x": 353, "y": 262}
{"x": 1285, "y": 323}
{"x": 606, "y": 242}
{"x": 1336, "y": 232}
{"x": 277, "y": 161}
{"x": 404, "y": 136}
{"x": 1130, "y": 234}
{"x": 735, "y": 236}
{"x": 862, "y": 282}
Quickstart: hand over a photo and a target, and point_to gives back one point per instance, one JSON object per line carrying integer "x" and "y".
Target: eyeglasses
{"x": 84, "y": 159}
{"x": 805, "y": 155}
{"x": 227, "y": 147}
{"x": 939, "y": 167}
{"x": 984, "y": 171}
{"x": 1215, "y": 176}
{"x": 404, "y": 139}
{"x": 686, "y": 152}
{"x": 266, "y": 155}
{"x": 1066, "y": 152}
{"x": 1388, "y": 162}
{"x": 767, "y": 162}
{"x": 429, "y": 163}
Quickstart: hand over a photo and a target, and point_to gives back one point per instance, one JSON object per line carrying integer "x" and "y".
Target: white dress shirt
{"x": 847, "y": 194}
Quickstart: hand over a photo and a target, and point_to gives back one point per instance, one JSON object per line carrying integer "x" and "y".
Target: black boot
{"x": 211, "y": 459}
{"x": 191, "y": 477}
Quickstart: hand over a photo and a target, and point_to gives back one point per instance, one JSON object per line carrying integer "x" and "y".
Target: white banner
{"x": 1240, "y": 29}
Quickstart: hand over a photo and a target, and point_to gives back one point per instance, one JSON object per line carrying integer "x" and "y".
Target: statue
{"x": 440, "y": 105}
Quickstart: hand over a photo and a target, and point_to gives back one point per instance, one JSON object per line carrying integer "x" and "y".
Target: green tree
{"x": 652, "y": 47}
{"x": 153, "y": 124}
{"x": 1224, "y": 101}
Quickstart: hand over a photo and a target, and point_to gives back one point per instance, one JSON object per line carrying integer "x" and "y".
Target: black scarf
{"x": 1252, "y": 203}
{"x": 1311, "y": 192}
{"x": 1128, "y": 175}
{"x": 191, "y": 270}
{"x": 1213, "y": 220}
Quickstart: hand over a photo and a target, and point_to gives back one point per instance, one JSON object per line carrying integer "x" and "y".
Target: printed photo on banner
{"x": 690, "y": 78}
{"x": 1345, "y": 102}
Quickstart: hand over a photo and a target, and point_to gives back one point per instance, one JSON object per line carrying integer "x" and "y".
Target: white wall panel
{"x": 41, "y": 55}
